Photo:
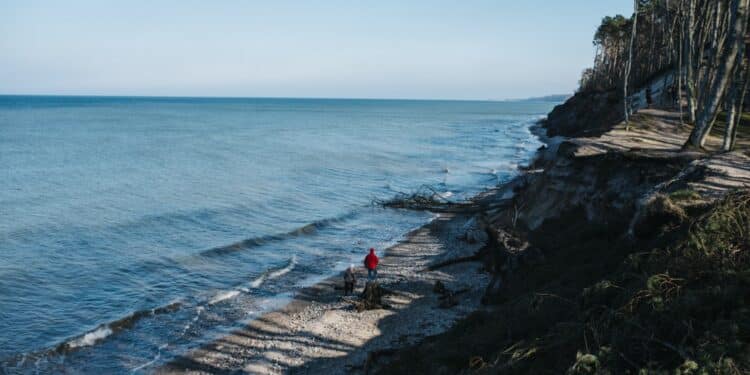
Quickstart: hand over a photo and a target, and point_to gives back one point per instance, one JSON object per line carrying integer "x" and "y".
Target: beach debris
{"x": 507, "y": 252}
{"x": 426, "y": 198}
{"x": 448, "y": 298}
{"x": 371, "y": 298}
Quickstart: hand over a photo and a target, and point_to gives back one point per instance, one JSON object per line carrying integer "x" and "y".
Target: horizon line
{"x": 283, "y": 97}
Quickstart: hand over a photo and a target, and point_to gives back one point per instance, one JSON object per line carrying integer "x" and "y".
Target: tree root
{"x": 371, "y": 298}
{"x": 427, "y": 198}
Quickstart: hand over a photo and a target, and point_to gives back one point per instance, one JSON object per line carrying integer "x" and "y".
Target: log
{"x": 372, "y": 297}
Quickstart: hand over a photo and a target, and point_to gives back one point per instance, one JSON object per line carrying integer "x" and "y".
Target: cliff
{"x": 646, "y": 257}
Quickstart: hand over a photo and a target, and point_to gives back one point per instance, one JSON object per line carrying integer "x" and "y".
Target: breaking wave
{"x": 262, "y": 240}
{"x": 273, "y": 274}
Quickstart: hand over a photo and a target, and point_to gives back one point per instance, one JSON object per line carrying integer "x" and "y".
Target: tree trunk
{"x": 680, "y": 78}
{"x": 737, "y": 99}
{"x": 724, "y": 72}
{"x": 689, "y": 57}
{"x": 733, "y": 102}
{"x": 629, "y": 66}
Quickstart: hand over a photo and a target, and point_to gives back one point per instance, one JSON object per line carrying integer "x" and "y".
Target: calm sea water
{"x": 132, "y": 229}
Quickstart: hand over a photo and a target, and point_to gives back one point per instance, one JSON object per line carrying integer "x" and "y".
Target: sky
{"x": 471, "y": 49}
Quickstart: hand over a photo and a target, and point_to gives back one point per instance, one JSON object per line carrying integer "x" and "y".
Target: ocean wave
{"x": 105, "y": 330}
{"x": 273, "y": 274}
{"x": 90, "y": 338}
{"x": 262, "y": 240}
{"x": 223, "y": 296}
{"x": 444, "y": 195}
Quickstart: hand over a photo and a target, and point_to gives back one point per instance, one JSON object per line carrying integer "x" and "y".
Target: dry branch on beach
{"x": 427, "y": 198}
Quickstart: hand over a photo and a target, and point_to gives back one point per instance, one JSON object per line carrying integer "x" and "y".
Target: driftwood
{"x": 497, "y": 254}
{"x": 372, "y": 298}
{"x": 506, "y": 253}
{"x": 503, "y": 254}
{"x": 427, "y": 198}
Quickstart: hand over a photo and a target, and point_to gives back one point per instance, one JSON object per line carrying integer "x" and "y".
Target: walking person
{"x": 371, "y": 263}
{"x": 350, "y": 279}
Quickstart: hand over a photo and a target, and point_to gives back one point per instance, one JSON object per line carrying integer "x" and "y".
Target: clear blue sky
{"x": 491, "y": 49}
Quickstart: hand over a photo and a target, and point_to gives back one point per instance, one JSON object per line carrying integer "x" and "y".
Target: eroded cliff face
{"x": 585, "y": 115}
{"x": 605, "y": 187}
{"x": 644, "y": 263}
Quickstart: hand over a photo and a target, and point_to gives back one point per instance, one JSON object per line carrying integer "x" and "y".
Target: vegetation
{"x": 662, "y": 290}
{"x": 675, "y": 302}
{"x": 702, "y": 42}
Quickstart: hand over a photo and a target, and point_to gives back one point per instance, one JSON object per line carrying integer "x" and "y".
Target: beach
{"x": 320, "y": 331}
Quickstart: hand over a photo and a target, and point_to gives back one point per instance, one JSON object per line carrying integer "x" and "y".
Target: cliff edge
{"x": 645, "y": 264}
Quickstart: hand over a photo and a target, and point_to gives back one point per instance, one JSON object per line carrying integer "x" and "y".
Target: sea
{"x": 134, "y": 229}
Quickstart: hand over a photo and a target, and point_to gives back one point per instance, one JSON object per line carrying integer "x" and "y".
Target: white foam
{"x": 91, "y": 338}
{"x": 274, "y": 274}
{"x": 285, "y": 270}
{"x": 445, "y": 195}
{"x": 197, "y": 316}
{"x": 223, "y": 296}
{"x": 259, "y": 280}
{"x": 151, "y": 362}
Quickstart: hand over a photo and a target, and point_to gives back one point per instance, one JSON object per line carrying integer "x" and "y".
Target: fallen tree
{"x": 427, "y": 198}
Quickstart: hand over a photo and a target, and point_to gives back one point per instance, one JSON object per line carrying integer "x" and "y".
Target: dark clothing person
{"x": 349, "y": 280}
{"x": 371, "y": 263}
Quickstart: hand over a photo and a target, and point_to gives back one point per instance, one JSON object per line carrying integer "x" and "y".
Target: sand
{"x": 320, "y": 331}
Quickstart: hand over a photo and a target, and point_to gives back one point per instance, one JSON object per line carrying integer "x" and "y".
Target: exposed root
{"x": 372, "y": 297}
{"x": 427, "y": 198}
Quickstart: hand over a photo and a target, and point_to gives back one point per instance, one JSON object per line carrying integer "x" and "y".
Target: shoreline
{"x": 293, "y": 338}
{"x": 319, "y": 330}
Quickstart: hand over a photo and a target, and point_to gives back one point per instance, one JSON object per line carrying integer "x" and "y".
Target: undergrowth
{"x": 677, "y": 302}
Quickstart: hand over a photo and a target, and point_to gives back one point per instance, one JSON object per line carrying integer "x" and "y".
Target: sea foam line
{"x": 269, "y": 275}
{"x": 91, "y": 338}
{"x": 223, "y": 296}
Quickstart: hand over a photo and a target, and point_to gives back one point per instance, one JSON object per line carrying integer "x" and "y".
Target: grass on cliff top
{"x": 675, "y": 303}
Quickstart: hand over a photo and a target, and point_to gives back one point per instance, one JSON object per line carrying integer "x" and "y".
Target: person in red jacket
{"x": 371, "y": 263}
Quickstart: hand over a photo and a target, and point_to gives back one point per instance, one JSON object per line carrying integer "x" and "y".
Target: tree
{"x": 630, "y": 64}
{"x": 701, "y": 42}
{"x": 727, "y": 55}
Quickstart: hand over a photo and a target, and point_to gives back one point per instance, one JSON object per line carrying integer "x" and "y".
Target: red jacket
{"x": 371, "y": 260}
